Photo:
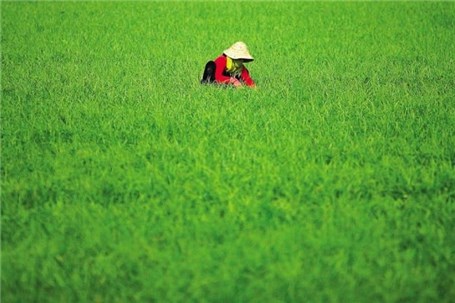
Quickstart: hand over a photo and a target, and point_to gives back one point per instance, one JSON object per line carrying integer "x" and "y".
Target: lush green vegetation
{"x": 124, "y": 180}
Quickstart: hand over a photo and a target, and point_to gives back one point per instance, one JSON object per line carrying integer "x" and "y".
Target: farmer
{"x": 229, "y": 68}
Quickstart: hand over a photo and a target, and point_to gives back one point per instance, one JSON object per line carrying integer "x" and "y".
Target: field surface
{"x": 125, "y": 180}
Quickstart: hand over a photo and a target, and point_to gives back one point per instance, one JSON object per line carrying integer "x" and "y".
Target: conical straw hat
{"x": 239, "y": 51}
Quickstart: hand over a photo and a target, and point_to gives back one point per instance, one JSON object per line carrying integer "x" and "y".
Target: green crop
{"x": 125, "y": 180}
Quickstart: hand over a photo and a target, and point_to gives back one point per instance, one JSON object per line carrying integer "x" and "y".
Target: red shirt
{"x": 222, "y": 77}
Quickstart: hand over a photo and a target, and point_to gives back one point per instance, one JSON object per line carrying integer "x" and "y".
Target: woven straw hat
{"x": 239, "y": 51}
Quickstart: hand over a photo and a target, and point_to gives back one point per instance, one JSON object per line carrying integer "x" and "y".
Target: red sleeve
{"x": 220, "y": 63}
{"x": 246, "y": 77}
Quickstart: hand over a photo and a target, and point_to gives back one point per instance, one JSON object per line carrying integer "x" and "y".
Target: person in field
{"x": 229, "y": 69}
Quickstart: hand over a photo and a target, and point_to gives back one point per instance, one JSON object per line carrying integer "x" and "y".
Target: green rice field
{"x": 125, "y": 180}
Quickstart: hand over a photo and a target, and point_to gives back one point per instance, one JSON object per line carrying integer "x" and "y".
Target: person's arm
{"x": 220, "y": 63}
{"x": 246, "y": 78}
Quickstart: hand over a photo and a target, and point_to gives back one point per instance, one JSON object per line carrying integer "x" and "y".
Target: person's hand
{"x": 236, "y": 82}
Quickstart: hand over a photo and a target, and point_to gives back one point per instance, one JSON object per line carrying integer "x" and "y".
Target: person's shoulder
{"x": 220, "y": 58}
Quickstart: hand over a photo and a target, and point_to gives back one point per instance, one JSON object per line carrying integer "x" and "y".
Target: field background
{"x": 124, "y": 180}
